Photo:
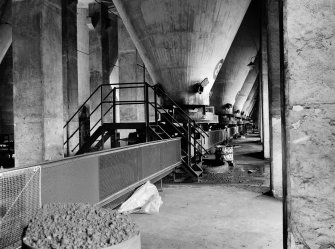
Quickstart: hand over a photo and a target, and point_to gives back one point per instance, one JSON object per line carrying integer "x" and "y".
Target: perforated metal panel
{"x": 19, "y": 200}
{"x": 117, "y": 171}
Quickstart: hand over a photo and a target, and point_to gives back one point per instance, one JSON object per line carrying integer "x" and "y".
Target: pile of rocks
{"x": 78, "y": 226}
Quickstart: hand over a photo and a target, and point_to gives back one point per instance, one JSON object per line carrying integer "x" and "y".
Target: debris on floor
{"x": 145, "y": 199}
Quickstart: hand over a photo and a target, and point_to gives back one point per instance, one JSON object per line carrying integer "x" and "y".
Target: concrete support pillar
{"x": 309, "y": 123}
{"x": 6, "y": 94}
{"x": 99, "y": 61}
{"x": 5, "y": 29}
{"x": 83, "y": 60}
{"x": 38, "y": 84}
{"x": 260, "y": 115}
{"x": 275, "y": 98}
{"x": 264, "y": 87}
{"x": 130, "y": 70}
{"x": 70, "y": 71}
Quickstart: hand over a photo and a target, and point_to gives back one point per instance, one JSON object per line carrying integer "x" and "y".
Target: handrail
{"x": 161, "y": 129}
{"x": 171, "y": 117}
{"x": 113, "y": 84}
{"x": 82, "y": 106}
{"x": 185, "y": 131}
{"x": 194, "y": 128}
{"x": 185, "y": 114}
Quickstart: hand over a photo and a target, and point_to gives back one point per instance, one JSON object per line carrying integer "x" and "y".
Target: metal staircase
{"x": 157, "y": 123}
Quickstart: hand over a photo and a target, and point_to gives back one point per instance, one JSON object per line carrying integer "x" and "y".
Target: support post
{"x": 146, "y": 111}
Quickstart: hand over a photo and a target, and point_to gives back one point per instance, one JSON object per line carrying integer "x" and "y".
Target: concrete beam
{"x": 309, "y": 74}
{"x": 182, "y": 44}
{"x": 5, "y": 28}
{"x": 234, "y": 69}
{"x": 38, "y": 83}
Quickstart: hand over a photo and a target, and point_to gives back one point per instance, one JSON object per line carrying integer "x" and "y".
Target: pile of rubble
{"x": 78, "y": 226}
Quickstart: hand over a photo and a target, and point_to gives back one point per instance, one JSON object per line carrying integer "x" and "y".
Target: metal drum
{"x": 224, "y": 153}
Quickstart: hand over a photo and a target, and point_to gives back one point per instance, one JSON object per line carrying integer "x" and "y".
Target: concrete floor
{"x": 215, "y": 215}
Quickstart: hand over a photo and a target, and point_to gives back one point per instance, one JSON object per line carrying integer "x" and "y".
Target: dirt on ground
{"x": 250, "y": 170}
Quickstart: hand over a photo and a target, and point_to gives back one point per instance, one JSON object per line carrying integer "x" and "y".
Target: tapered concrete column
{"x": 275, "y": 98}
{"x": 265, "y": 87}
{"x": 234, "y": 70}
{"x": 254, "y": 92}
{"x": 243, "y": 94}
{"x": 70, "y": 72}
{"x": 183, "y": 42}
{"x": 309, "y": 54}
{"x": 38, "y": 86}
{"x": 5, "y": 28}
{"x": 251, "y": 106}
{"x": 6, "y": 94}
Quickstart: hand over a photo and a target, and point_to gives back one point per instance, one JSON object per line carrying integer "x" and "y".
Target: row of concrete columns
{"x": 55, "y": 64}
{"x": 297, "y": 110}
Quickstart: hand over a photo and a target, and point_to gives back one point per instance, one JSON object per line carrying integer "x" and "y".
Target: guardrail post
{"x": 68, "y": 141}
{"x": 114, "y": 105}
{"x": 102, "y": 118}
{"x": 189, "y": 143}
{"x": 155, "y": 99}
{"x": 146, "y": 111}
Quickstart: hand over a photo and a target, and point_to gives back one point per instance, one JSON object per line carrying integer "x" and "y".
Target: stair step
{"x": 179, "y": 171}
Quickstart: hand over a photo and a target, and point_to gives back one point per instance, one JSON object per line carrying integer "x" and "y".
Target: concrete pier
{"x": 275, "y": 97}
{"x": 309, "y": 123}
{"x": 38, "y": 83}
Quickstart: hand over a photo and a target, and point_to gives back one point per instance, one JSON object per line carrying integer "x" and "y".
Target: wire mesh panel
{"x": 19, "y": 200}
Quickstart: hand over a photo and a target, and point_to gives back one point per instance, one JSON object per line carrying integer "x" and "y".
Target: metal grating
{"x": 19, "y": 200}
{"x": 117, "y": 171}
